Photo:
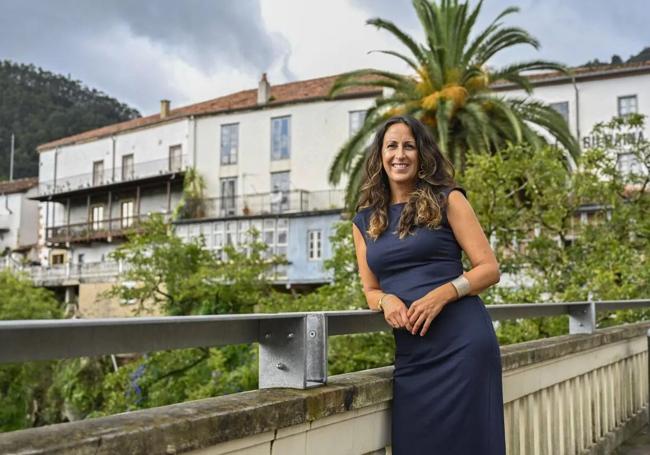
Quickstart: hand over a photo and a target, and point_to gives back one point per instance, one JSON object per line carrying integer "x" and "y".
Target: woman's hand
{"x": 395, "y": 312}
{"x": 424, "y": 310}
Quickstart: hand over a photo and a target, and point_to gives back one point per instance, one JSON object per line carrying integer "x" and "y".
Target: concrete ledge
{"x": 194, "y": 425}
{"x": 531, "y": 352}
{"x": 197, "y": 424}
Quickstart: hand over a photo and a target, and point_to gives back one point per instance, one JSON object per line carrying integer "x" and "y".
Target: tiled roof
{"x": 292, "y": 92}
{"x": 581, "y": 72}
{"x": 18, "y": 185}
{"x": 313, "y": 90}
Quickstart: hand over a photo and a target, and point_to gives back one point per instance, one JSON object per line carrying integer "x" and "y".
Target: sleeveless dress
{"x": 447, "y": 395}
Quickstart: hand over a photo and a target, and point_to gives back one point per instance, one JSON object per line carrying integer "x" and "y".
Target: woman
{"x": 409, "y": 234}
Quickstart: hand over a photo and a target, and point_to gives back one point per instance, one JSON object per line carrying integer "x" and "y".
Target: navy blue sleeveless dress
{"x": 447, "y": 396}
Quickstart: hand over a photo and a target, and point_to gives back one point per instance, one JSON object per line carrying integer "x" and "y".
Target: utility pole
{"x": 11, "y": 162}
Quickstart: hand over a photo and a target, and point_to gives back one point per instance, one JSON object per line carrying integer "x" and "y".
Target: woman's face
{"x": 400, "y": 154}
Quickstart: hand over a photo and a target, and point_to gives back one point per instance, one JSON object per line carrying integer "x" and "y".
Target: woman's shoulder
{"x": 449, "y": 188}
{"x": 361, "y": 217}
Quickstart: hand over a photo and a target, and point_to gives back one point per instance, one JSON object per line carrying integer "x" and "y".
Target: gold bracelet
{"x": 380, "y": 303}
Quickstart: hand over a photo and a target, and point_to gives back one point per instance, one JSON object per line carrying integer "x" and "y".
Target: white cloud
{"x": 328, "y": 37}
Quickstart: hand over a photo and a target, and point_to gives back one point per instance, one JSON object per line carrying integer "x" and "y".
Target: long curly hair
{"x": 426, "y": 201}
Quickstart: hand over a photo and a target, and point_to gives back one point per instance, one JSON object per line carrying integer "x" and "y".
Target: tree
{"x": 450, "y": 90}
{"x": 192, "y": 204}
{"x": 23, "y": 386}
{"x": 183, "y": 278}
{"x": 540, "y": 239}
{"x": 180, "y": 277}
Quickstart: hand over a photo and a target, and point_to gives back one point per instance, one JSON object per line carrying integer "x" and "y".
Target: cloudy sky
{"x": 193, "y": 50}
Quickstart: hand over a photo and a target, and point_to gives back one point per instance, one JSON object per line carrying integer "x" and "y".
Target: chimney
{"x": 164, "y": 109}
{"x": 263, "y": 90}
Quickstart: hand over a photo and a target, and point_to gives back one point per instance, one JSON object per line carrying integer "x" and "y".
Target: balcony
{"x": 56, "y": 275}
{"x": 93, "y": 230}
{"x": 115, "y": 178}
{"x": 294, "y": 201}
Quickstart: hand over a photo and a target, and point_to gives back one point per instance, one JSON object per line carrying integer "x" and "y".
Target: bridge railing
{"x": 293, "y": 346}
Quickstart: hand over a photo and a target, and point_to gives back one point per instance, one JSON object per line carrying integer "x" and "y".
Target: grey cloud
{"x": 90, "y": 40}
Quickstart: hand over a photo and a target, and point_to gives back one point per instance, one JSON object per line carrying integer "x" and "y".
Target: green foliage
{"x": 529, "y": 208}
{"x": 192, "y": 204}
{"x": 183, "y": 278}
{"x": 169, "y": 377}
{"x": 39, "y": 107}
{"x": 20, "y": 299}
{"x": 23, "y": 386}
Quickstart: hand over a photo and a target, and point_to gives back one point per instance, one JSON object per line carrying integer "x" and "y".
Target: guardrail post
{"x": 293, "y": 352}
{"x": 582, "y": 318}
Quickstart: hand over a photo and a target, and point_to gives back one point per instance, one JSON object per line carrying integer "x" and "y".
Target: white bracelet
{"x": 462, "y": 285}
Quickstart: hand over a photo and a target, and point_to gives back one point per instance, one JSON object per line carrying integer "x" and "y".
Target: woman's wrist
{"x": 381, "y": 301}
{"x": 445, "y": 293}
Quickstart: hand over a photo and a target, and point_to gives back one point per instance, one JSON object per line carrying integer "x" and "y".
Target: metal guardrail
{"x": 293, "y": 346}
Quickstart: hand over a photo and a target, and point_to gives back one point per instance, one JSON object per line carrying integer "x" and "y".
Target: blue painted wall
{"x": 302, "y": 269}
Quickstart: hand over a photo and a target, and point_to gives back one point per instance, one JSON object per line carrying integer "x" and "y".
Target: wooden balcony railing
{"x": 94, "y": 230}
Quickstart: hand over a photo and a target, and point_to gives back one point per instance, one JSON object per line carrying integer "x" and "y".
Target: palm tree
{"x": 450, "y": 90}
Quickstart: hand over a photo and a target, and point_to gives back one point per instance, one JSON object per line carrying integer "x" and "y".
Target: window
{"x": 315, "y": 247}
{"x": 58, "y": 258}
{"x": 98, "y": 172}
{"x": 229, "y": 143}
{"x": 127, "y": 167}
{"x": 562, "y": 108}
{"x": 282, "y": 237}
{"x": 356, "y": 120}
{"x": 175, "y": 158}
{"x": 97, "y": 217}
{"x": 627, "y": 105}
{"x": 280, "y": 138}
{"x": 279, "y": 191}
{"x": 126, "y": 214}
{"x": 228, "y": 196}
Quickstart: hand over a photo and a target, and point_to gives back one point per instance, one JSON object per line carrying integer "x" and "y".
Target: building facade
{"x": 593, "y": 95}
{"x": 264, "y": 155}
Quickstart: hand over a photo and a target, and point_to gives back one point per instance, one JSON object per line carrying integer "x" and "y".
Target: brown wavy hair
{"x": 426, "y": 202}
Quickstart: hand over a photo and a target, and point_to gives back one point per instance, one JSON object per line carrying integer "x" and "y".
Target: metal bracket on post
{"x": 293, "y": 352}
{"x": 582, "y": 318}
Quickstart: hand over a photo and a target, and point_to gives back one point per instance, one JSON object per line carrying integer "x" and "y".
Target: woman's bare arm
{"x": 394, "y": 308}
{"x": 471, "y": 238}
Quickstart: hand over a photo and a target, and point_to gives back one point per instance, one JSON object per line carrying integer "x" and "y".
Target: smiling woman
{"x": 409, "y": 234}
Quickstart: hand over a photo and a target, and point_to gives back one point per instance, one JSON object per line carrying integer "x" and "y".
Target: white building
{"x": 264, "y": 155}
{"x": 18, "y": 218}
{"x": 593, "y": 95}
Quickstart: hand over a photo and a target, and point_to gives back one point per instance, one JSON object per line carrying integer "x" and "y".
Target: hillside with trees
{"x": 39, "y": 106}
{"x": 616, "y": 59}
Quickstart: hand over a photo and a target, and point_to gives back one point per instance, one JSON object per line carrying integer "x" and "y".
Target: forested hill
{"x": 39, "y": 106}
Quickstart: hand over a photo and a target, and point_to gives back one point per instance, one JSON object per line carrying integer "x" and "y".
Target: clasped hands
{"x": 416, "y": 318}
